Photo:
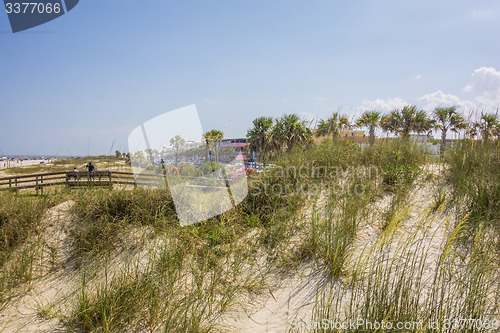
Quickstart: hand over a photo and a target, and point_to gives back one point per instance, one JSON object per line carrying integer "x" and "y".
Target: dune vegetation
{"x": 382, "y": 233}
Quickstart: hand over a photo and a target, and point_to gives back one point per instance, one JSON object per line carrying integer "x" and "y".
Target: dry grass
{"x": 413, "y": 245}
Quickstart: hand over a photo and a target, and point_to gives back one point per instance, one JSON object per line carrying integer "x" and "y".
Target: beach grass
{"x": 139, "y": 270}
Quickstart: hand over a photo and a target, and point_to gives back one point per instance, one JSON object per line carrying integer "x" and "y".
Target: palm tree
{"x": 177, "y": 142}
{"x": 370, "y": 119}
{"x": 290, "y": 130}
{"x": 332, "y": 126}
{"x": 390, "y": 123}
{"x": 217, "y": 137}
{"x": 408, "y": 119}
{"x": 149, "y": 152}
{"x": 259, "y": 136}
{"x": 447, "y": 119}
{"x": 212, "y": 139}
{"x": 207, "y": 138}
{"x": 324, "y": 128}
{"x": 423, "y": 123}
{"x": 496, "y": 133}
{"x": 487, "y": 125}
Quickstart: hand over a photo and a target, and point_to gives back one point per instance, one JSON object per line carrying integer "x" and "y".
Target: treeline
{"x": 269, "y": 135}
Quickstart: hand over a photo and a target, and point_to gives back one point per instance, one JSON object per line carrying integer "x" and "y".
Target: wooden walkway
{"x": 84, "y": 178}
{"x": 69, "y": 178}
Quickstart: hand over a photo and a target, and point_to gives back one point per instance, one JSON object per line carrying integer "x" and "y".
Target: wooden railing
{"x": 69, "y": 178}
{"x": 82, "y": 178}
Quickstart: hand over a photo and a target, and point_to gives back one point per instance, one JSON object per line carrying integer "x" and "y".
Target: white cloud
{"x": 484, "y": 79}
{"x": 384, "y": 105}
{"x": 486, "y": 85}
{"x": 418, "y": 77}
{"x": 439, "y": 99}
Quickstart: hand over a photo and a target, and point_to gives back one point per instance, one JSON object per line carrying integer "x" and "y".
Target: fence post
{"x": 36, "y": 184}
{"x": 110, "y": 183}
{"x": 41, "y": 181}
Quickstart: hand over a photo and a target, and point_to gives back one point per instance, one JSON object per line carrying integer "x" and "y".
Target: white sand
{"x": 20, "y": 163}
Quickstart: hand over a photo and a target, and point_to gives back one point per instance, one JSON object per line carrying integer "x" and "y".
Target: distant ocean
{"x": 36, "y": 157}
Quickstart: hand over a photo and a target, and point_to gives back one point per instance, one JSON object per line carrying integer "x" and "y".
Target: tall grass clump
{"x": 398, "y": 160}
{"x": 398, "y": 280}
{"x": 338, "y": 231}
{"x": 334, "y": 227}
{"x": 102, "y": 214}
{"x": 171, "y": 293}
{"x": 20, "y": 228}
{"x": 466, "y": 284}
{"x": 341, "y": 153}
{"x": 474, "y": 172}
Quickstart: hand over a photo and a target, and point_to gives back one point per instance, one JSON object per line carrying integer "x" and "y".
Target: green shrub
{"x": 401, "y": 174}
{"x": 209, "y": 167}
{"x": 189, "y": 170}
{"x": 398, "y": 161}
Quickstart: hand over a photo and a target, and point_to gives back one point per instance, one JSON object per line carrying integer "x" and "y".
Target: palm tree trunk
{"x": 176, "y": 156}
{"x": 443, "y": 141}
{"x": 206, "y": 153}
{"x": 372, "y": 135}
{"x": 264, "y": 157}
{"x": 486, "y": 136}
{"x": 335, "y": 136}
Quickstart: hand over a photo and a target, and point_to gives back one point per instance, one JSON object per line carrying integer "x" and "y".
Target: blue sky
{"x": 87, "y": 79}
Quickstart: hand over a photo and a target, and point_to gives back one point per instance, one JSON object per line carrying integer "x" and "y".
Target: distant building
{"x": 192, "y": 145}
{"x": 239, "y": 142}
{"x": 350, "y": 133}
{"x": 357, "y": 136}
{"x": 420, "y": 137}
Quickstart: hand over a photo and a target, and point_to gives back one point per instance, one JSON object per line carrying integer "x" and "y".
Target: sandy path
{"x": 20, "y": 163}
{"x": 293, "y": 298}
{"x": 39, "y": 309}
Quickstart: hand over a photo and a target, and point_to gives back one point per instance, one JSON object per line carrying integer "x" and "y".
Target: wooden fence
{"x": 83, "y": 178}
{"x": 69, "y": 178}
